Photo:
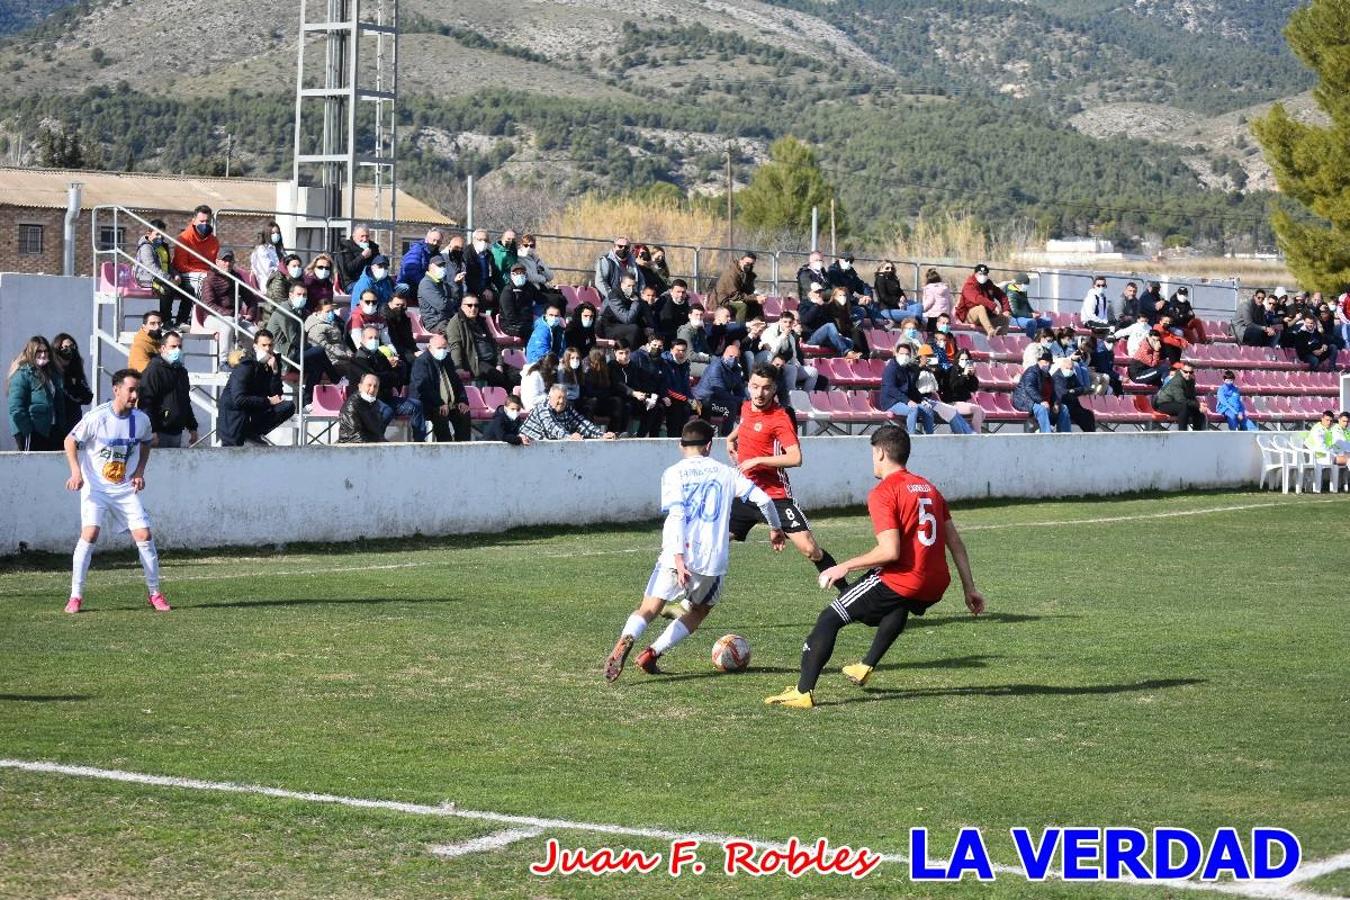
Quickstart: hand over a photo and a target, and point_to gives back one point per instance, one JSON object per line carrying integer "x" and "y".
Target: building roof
{"x": 46, "y": 189}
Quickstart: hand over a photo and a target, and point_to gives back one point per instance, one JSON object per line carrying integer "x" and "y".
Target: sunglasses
{"x": 468, "y": 306}
{"x": 527, "y": 246}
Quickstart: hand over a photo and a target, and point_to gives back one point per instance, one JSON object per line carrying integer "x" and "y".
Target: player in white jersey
{"x": 696, "y": 495}
{"x": 108, "y": 451}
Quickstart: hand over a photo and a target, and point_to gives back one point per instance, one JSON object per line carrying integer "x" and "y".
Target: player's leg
{"x": 90, "y": 515}
{"x": 660, "y": 587}
{"x": 700, "y": 596}
{"x": 128, "y": 508}
{"x": 855, "y": 604}
{"x": 888, "y": 629}
{"x": 799, "y": 532}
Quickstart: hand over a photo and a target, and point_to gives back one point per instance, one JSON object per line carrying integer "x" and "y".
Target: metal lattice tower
{"x": 345, "y": 107}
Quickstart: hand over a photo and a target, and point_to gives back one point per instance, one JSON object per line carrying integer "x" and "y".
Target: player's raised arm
{"x": 957, "y": 548}
{"x": 887, "y": 550}
{"x": 747, "y": 490}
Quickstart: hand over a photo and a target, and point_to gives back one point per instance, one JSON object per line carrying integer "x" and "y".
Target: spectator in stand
{"x": 982, "y": 304}
{"x": 556, "y": 421}
{"x": 505, "y": 257}
{"x": 672, "y": 310}
{"x": 371, "y": 358}
{"x": 367, "y": 313}
{"x": 1312, "y": 348}
{"x": 623, "y": 316}
{"x": 166, "y": 396}
{"x": 613, "y": 266}
{"x": 891, "y": 300}
{"x": 735, "y": 290}
{"x": 481, "y": 275}
{"x": 1326, "y": 323}
{"x": 569, "y": 374}
{"x": 251, "y": 405}
{"x": 456, "y": 271}
{"x": 631, "y": 389}
{"x": 1343, "y": 318}
{"x": 433, "y": 296}
{"x": 678, "y": 387}
{"x": 814, "y": 272}
{"x": 376, "y": 280}
{"x": 1173, "y": 344}
{"x": 1228, "y": 403}
{"x": 286, "y": 327}
{"x": 267, "y": 253}
{"x": 324, "y": 329}
{"x": 473, "y": 350}
{"x": 648, "y": 275}
{"x": 650, "y": 362}
{"x": 843, "y": 275}
{"x": 145, "y": 343}
{"x": 722, "y": 330}
{"x": 814, "y": 314}
{"x": 536, "y": 379}
{"x": 1021, "y": 314}
{"x": 1064, "y": 344}
{"x": 840, "y": 310}
{"x": 197, "y": 247}
{"x": 1177, "y": 399}
{"x": 36, "y": 397}
{"x": 413, "y": 268}
{"x": 1147, "y": 365}
{"x": 219, "y": 290}
{"x": 1126, "y": 309}
{"x": 782, "y": 340}
{"x": 900, "y": 391}
{"x": 1096, "y": 309}
{"x": 359, "y": 420}
{"x": 537, "y": 272}
{"x": 76, "y": 392}
{"x": 580, "y": 330}
{"x": 1152, "y": 303}
{"x": 722, "y": 388}
{"x": 1099, "y": 357}
{"x": 547, "y": 335}
{"x": 1035, "y": 396}
{"x": 1044, "y": 342}
{"x": 516, "y": 307}
{"x": 957, "y": 387}
{"x": 928, "y": 384}
{"x": 910, "y": 334}
{"x": 153, "y": 267}
{"x": 944, "y": 349}
{"x": 598, "y": 398}
{"x": 436, "y": 385}
{"x": 1183, "y": 316}
{"x": 695, "y": 337}
{"x": 291, "y": 273}
{"x": 399, "y": 327}
{"x": 937, "y": 297}
{"x": 320, "y": 282}
{"x": 1068, "y": 387}
{"x": 659, "y": 265}
{"x": 751, "y": 343}
{"x": 1134, "y": 335}
{"x": 505, "y": 424}
{"x": 1250, "y": 326}
{"x": 354, "y": 255}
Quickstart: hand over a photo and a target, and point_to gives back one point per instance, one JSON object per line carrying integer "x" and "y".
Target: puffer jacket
{"x": 33, "y": 401}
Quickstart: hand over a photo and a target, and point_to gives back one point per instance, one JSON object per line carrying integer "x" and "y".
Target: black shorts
{"x": 746, "y": 515}
{"x": 869, "y": 601}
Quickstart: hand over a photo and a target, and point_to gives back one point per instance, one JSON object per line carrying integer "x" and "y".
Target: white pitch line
{"x": 1274, "y": 890}
{"x": 486, "y": 844}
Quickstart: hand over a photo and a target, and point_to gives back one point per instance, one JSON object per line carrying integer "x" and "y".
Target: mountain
{"x": 913, "y": 105}
{"x": 19, "y": 15}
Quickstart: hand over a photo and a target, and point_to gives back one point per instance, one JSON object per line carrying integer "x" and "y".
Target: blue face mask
{"x": 332, "y": 315}
{"x": 173, "y": 356}
{"x": 944, "y": 328}
{"x": 911, "y": 332}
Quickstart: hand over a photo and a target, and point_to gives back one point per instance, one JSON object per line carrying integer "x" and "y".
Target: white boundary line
{"x": 532, "y": 826}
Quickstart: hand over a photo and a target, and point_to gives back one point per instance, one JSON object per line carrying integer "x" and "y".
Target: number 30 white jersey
{"x": 701, "y": 490}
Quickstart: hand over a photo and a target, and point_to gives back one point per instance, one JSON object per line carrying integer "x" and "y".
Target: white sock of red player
{"x": 674, "y": 633}
{"x": 79, "y": 569}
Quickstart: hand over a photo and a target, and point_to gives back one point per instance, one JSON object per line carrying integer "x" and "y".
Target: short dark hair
{"x": 558, "y": 306}
{"x": 679, "y": 282}
{"x": 122, "y": 375}
{"x": 145, "y": 319}
{"x": 679, "y": 342}
{"x": 749, "y": 255}
{"x": 764, "y": 370}
{"x": 1328, "y": 413}
{"x": 158, "y": 224}
{"x": 170, "y": 334}
{"x": 202, "y": 209}
{"x": 697, "y": 433}
{"x": 512, "y": 398}
{"x": 894, "y": 443}
{"x": 787, "y": 314}
{"x": 263, "y": 332}
{"x": 1228, "y": 373}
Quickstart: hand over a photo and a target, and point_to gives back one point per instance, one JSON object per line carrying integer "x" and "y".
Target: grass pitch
{"x": 1150, "y": 669}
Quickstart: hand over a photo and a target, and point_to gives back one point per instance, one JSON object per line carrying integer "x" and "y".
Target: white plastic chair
{"x": 1295, "y": 457}
{"x": 1272, "y": 462}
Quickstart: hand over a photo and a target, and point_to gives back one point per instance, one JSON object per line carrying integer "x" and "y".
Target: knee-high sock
{"x": 826, "y": 561}
{"x": 819, "y": 647}
{"x": 887, "y": 632}
{"x": 674, "y": 633}
{"x": 150, "y": 563}
{"x": 79, "y": 568}
{"x": 634, "y": 627}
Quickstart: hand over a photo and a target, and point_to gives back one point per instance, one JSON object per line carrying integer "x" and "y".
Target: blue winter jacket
{"x": 722, "y": 382}
{"x": 543, "y": 341}
{"x": 899, "y": 384}
{"x": 384, "y": 290}
{"x": 1228, "y": 401}
{"x": 1029, "y": 389}
{"x": 414, "y": 266}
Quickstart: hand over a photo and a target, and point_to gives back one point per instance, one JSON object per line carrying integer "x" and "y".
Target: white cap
{"x": 1281, "y": 292}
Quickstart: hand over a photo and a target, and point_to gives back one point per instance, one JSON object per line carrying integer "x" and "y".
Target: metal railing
{"x": 116, "y": 252}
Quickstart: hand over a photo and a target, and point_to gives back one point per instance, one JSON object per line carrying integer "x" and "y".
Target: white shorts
{"x": 125, "y": 509}
{"x": 702, "y": 590}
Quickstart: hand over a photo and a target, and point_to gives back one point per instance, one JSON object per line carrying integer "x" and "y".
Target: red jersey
{"x": 766, "y": 433}
{"x": 911, "y": 505}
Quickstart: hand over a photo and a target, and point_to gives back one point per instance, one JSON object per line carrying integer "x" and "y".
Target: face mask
{"x": 294, "y": 271}
{"x": 299, "y": 302}
{"x": 378, "y": 273}
{"x": 439, "y": 353}
{"x": 396, "y": 312}
{"x": 817, "y": 265}
{"x": 512, "y": 414}
{"x": 553, "y": 321}
{"x": 173, "y": 356}
{"x": 981, "y": 279}
{"x": 621, "y": 252}
{"x": 364, "y": 245}
{"x": 587, "y": 321}
{"x": 203, "y": 230}
{"x": 845, "y": 266}
{"x": 369, "y": 398}
{"x": 65, "y": 353}
{"x": 903, "y": 360}
{"x": 527, "y": 252}
{"x": 155, "y": 332}
{"x": 574, "y": 364}
{"x": 433, "y": 246}
{"x": 332, "y": 315}
{"x": 323, "y": 272}
{"x": 911, "y": 333}
{"x": 261, "y": 354}
{"x": 944, "y": 329}
{"x": 509, "y": 245}
{"x": 480, "y": 246}
{"x": 436, "y": 272}
{"x": 372, "y": 345}
{"x": 276, "y": 237}
{"x": 41, "y": 358}
{"x": 368, "y": 308}
{"x": 518, "y": 280}
{"x": 456, "y": 253}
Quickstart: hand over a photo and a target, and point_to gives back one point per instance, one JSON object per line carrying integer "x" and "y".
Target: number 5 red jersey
{"x": 909, "y": 503}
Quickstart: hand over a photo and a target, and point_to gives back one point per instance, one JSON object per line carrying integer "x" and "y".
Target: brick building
{"x": 33, "y": 209}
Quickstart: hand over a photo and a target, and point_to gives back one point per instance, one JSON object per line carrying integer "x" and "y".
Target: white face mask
{"x": 553, "y": 321}
{"x": 512, "y": 414}
{"x": 371, "y": 344}
{"x": 903, "y": 359}
{"x": 436, "y": 272}
{"x": 261, "y": 354}
{"x": 368, "y": 308}
{"x": 369, "y": 398}
{"x": 981, "y": 278}
{"x": 479, "y": 246}
{"x": 527, "y": 251}
{"x": 439, "y": 353}
{"x": 322, "y": 271}
{"x": 817, "y": 265}
{"x": 294, "y": 271}
{"x": 845, "y": 265}
{"x": 518, "y": 280}
{"x": 299, "y": 302}
{"x": 574, "y": 364}
{"x": 378, "y": 272}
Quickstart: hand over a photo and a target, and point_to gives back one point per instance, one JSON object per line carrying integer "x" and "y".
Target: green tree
{"x": 783, "y": 190}
{"x": 1312, "y": 163}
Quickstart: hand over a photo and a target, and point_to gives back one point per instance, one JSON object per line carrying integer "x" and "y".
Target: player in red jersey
{"x": 907, "y": 570}
{"x": 764, "y": 445}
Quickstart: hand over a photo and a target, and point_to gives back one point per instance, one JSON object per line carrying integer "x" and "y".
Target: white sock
{"x": 674, "y": 633}
{"x": 84, "y": 551}
{"x": 150, "y": 563}
{"x": 634, "y": 627}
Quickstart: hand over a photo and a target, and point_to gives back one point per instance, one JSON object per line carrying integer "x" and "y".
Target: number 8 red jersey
{"x": 911, "y": 505}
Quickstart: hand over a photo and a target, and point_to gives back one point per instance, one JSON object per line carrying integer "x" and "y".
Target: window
{"x": 110, "y": 238}
{"x": 407, "y": 244}
{"x": 30, "y": 240}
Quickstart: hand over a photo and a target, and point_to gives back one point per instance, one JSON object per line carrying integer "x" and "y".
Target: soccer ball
{"x": 731, "y": 653}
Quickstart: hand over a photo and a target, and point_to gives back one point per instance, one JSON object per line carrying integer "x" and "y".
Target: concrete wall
{"x": 211, "y": 498}
{"x": 45, "y": 305}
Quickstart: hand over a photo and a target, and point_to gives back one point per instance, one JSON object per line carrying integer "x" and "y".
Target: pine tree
{"x": 1312, "y": 163}
{"x": 782, "y": 191}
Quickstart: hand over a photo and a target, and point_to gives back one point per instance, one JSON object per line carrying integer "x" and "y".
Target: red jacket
{"x": 988, "y": 295}
{"x": 1169, "y": 338}
{"x": 206, "y": 247}
{"x": 1147, "y": 355}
